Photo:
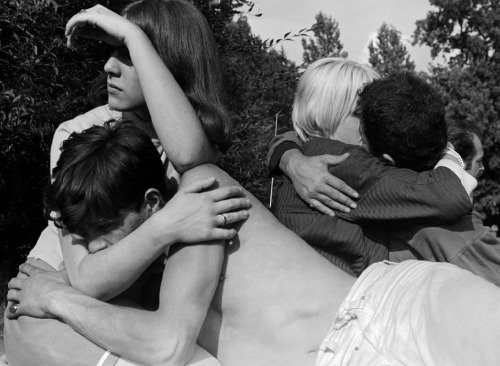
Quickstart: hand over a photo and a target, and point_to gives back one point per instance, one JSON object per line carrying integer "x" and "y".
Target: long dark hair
{"x": 183, "y": 39}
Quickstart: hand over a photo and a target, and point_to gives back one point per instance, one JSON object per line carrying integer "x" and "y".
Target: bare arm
{"x": 189, "y": 217}
{"x": 174, "y": 119}
{"x": 164, "y": 337}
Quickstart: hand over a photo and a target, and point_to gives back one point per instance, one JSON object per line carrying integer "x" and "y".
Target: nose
{"x": 97, "y": 245}
{"x": 111, "y": 66}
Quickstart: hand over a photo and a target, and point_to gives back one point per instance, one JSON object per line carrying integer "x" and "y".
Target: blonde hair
{"x": 326, "y": 95}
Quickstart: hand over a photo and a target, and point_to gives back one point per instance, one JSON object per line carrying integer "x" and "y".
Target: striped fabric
{"x": 389, "y": 197}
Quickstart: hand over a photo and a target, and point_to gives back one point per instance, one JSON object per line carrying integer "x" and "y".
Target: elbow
{"x": 184, "y": 162}
{"x": 90, "y": 289}
{"x": 182, "y": 167}
{"x": 170, "y": 350}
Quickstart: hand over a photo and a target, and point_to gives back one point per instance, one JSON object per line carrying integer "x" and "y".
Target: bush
{"x": 43, "y": 83}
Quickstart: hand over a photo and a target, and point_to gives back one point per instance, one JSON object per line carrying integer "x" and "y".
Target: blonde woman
{"x": 324, "y": 106}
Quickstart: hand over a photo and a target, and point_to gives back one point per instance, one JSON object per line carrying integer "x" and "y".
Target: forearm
{"x": 164, "y": 337}
{"x": 279, "y": 147}
{"x": 174, "y": 119}
{"x": 109, "y": 272}
{"x": 436, "y": 196}
{"x": 287, "y": 161}
{"x": 134, "y": 334}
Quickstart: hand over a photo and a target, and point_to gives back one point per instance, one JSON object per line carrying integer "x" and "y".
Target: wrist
{"x": 55, "y": 303}
{"x": 160, "y": 234}
{"x": 135, "y": 36}
{"x": 289, "y": 161}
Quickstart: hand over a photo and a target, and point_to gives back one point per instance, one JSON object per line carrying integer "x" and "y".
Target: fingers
{"x": 223, "y": 234}
{"x": 29, "y": 270}
{"x": 324, "y": 203}
{"x": 338, "y": 190}
{"x": 224, "y": 193}
{"x": 321, "y": 207}
{"x": 15, "y": 283}
{"x": 93, "y": 23}
{"x": 13, "y": 303}
{"x": 229, "y": 218}
{"x": 232, "y": 204}
{"x": 334, "y": 159}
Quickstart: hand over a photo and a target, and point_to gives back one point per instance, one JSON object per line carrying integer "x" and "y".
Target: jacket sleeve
{"x": 390, "y": 193}
{"x": 279, "y": 145}
{"x": 401, "y": 194}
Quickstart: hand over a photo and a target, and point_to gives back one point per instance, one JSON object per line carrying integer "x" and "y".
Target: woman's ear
{"x": 389, "y": 159}
{"x": 153, "y": 200}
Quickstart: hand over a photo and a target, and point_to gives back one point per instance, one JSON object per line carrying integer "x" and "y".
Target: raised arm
{"x": 309, "y": 175}
{"x": 174, "y": 119}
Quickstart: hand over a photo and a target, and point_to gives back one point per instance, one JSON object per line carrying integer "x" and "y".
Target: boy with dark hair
{"x": 403, "y": 117}
{"x": 395, "y": 201}
{"x": 82, "y": 200}
{"x": 108, "y": 180}
{"x": 266, "y": 298}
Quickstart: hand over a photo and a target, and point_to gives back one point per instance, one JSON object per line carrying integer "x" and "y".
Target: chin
{"x": 121, "y": 106}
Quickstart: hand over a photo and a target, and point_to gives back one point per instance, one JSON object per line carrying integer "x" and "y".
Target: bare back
{"x": 276, "y": 298}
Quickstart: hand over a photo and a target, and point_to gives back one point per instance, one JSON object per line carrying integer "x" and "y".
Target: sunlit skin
{"x": 101, "y": 237}
{"x": 477, "y": 167}
{"x": 123, "y": 85}
{"x": 349, "y": 131}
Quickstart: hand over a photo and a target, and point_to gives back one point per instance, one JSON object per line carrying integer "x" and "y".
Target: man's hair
{"x": 404, "y": 117}
{"x": 326, "y": 95}
{"x": 102, "y": 172}
{"x": 461, "y": 134}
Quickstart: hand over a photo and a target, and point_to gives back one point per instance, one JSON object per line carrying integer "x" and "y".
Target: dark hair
{"x": 404, "y": 117}
{"x": 101, "y": 172}
{"x": 461, "y": 134}
{"x": 184, "y": 41}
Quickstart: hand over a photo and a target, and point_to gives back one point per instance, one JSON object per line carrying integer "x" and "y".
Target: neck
{"x": 142, "y": 120}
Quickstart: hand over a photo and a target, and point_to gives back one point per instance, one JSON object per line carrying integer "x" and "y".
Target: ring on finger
{"x": 13, "y": 309}
{"x": 225, "y": 219}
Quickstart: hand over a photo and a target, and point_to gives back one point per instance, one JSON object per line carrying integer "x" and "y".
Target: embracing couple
{"x": 237, "y": 287}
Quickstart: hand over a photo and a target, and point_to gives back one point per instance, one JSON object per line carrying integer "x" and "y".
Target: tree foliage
{"x": 43, "y": 83}
{"x": 467, "y": 35}
{"x": 260, "y": 83}
{"x": 388, "y": 53}
{"x": 326, "y": 41}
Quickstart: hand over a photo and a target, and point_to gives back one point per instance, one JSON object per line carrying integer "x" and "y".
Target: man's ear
{"x": 153, "y": 200}
{"x": 389, "y": 159}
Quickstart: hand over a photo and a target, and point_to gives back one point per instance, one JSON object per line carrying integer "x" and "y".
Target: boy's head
{"x": 402, "y": 116}
{"x": 104, "y": 174}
